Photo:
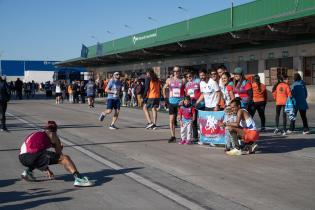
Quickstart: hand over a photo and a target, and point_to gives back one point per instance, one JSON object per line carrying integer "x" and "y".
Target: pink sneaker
{"x": 189, "y": 142}
{"x": 182, "y": 142}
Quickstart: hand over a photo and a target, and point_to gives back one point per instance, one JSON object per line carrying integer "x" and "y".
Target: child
{"x": 186, "y": 114}
{"x": 229, "y": 117}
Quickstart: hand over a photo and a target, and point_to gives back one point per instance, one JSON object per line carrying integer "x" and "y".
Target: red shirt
{"x": 36, "y": 142}
{"x": 186, "y": 113}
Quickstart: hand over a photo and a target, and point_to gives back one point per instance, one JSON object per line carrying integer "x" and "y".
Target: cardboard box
{"x": 267, "y": 73}
{"x": 290, "y": 72}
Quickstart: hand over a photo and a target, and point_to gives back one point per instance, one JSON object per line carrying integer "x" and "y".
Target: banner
{"x": 210, "y": 131}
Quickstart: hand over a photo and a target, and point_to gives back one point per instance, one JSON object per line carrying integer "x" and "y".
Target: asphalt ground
{"x": 135, "y": 168}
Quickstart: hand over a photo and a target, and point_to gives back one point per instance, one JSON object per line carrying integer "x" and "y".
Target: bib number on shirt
{"x": 191, "y": 93}
{"x": 176, "y": 92}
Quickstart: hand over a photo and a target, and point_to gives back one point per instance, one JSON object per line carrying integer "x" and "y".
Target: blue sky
{"x": 55, "y": 29}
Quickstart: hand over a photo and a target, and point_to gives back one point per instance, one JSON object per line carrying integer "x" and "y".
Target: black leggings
{"x": 260, "y": 107}
{"x": 3, "y": 109}
{"x": 304, "y": 120}
{"x": 284, "y": 115}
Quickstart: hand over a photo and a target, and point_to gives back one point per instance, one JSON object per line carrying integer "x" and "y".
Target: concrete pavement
{"x": 279, "y": 176}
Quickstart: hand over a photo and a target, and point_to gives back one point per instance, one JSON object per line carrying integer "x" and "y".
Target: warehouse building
{"x": 264, "y": 37}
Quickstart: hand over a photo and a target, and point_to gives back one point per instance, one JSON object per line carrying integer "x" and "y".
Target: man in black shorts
{"x": 34, "y": 155}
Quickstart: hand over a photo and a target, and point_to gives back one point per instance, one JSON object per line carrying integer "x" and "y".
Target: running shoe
{"x": 234, "y": 152}
{"x": 172, "y": 139}
{"x": 182, "y": 141}
{"x": 189, "y": 142}
{"x": 153, "y": 127}
{"x": 263, "y": 129}
{"x": 101, "y": 117}
{"x": 149, "y": 125}
{"x": 211, "y": 144}
{"x": 252, "y": 148}
{"x": 200, "y": 143}
{"x": 112, "y": 127}
{"x": 289, "y": 132}
{"x": 28, "y": 176}
{"x": 306, "y": 132}
{"x": 283, "y": 133}
{"x": 4, "y": 130}
{"x": 276, "y": 131}
{"x": 83, "y": 182}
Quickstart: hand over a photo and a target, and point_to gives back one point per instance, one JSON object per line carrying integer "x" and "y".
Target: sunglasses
{"x": 189, "y": 76}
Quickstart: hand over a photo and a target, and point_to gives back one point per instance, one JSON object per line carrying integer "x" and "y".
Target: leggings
{"x": 284, "y": 115}
{"x": 260, "y": 107}
{"x": 304, "y": 120}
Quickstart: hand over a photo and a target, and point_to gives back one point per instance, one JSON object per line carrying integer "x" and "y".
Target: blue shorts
{"x": 113, "y": 103}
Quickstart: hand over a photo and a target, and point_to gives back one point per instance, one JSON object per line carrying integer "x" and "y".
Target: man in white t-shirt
{"x": 210, "y": 93}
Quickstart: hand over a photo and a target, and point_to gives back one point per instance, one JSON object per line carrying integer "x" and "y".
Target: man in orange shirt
{"x": 260, "y": 100}
{"x": 151, "y": 98}
{"x": 280, "y": 92}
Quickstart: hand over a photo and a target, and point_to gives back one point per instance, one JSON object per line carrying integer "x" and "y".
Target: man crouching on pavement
{"x": 34, "y": 155}
{"x": 244, "y": 128}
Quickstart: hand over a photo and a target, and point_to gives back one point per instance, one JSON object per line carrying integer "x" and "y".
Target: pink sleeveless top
{"x": 35, "y": 142}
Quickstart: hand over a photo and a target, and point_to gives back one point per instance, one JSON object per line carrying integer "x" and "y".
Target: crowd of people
{"x": 214, "y": 90}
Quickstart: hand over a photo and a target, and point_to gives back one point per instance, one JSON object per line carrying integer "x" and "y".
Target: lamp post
{"x": 187, "y": 17}
{"x": 155, "y": 21}
{"x": 113, "y": 40}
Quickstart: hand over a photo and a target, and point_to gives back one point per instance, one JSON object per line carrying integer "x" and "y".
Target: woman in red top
{"x": 260, "y": 100}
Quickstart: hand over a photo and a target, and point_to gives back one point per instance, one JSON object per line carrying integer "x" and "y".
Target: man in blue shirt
{"x": 113, "y": 90}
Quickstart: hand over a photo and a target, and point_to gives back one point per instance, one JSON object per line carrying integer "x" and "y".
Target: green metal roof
{"x": 250, "y": 15}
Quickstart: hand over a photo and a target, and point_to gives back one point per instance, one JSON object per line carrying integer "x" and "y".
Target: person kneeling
{"x": 34, "y": 155}
{"x": 247, "y": 131}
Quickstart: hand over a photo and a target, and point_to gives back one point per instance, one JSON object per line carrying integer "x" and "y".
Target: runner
{"x": 210, "y": 93}
{"x": 113, "y": 89}
{"x": 151, "y": 95}
{"x": 260, "y": 100}
{"x": 90, "y": 89}
{"x": 176, "y": 94}
{"x": 34, "y": 155}
{"x": 247, "y": 131}
{"x": 58, "y": 92}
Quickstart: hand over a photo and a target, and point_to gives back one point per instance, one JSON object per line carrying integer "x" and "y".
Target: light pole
{"x": 155, "y": 21}
{"x": 187, "y": 17}
{"x": 113, "y": 40}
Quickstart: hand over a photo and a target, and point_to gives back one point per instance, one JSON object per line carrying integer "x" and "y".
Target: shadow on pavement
{"x": 283, "y": 144}
{"x": 15, "y": 196}
{"x": 33, "y": 204}
{"x": 25, "y": 126}
{"x": 99, "y": 177}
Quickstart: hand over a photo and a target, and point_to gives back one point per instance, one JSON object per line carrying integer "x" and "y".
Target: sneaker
{"x": 263, "y": 129}
{"x": 149, "y": 125}
{"x": 189, "y": 142}
{"x": 200, "y": 143}
{"x": 153, "y": 127}
{"x": 283, "y": 133}
{"x": 306, "y": 132}
{"x": 182, "y": 142}
{"x": 101, "y": 117}
{"x": 4, "y": 130}
{"x": 28, "y": 176}
{"x": 211, "y": 144}
{"x": 112, "y": 127}
{"x": 234, "y": 152}
{"x": 276, "y": 131}
{"x": 289, "y": 132}
{"x": 172, "y": 139}
{"x": 252, "y": 148}
{"x": 83, "y": 182}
